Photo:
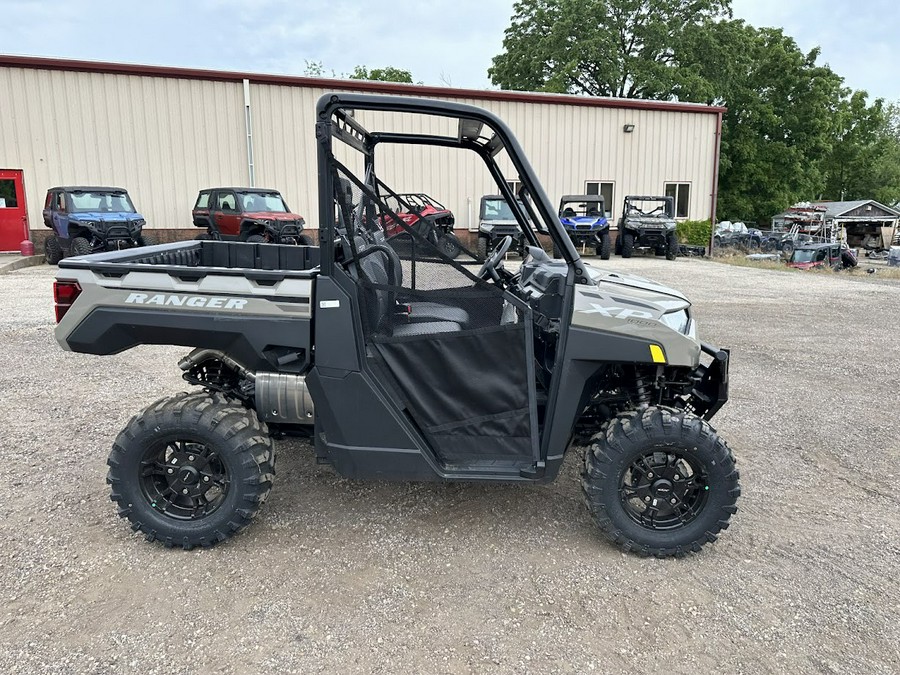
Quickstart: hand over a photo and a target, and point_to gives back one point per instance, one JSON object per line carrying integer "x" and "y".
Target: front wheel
{"x": 304, "y": 240}
{"x": 482, "y": 248}
{"x": 787, "y": 248}
{"x": 145, "y": 240}
{"x": 52, "y": 250}
{"x": 660, "y": 482}
{"x": 603, "y": 248}
{"x": 191, "y": 470}
{"x": 449, "y": 245}
{"x": 627, "y": 244}
{"x": 80, "y": 246}
{"x": 671, "y": 246}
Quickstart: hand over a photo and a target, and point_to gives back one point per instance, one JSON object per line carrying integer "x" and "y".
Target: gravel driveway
{"x": 344, "y": 577}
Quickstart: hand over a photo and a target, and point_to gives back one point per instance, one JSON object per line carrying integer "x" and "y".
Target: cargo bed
{"x": 230, "y": 258}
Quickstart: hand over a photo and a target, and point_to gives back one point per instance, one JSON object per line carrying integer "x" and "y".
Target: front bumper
{"x": 646, "y": 237}
{"x": 586, "y": 236}
{"x": 710, "y": 390}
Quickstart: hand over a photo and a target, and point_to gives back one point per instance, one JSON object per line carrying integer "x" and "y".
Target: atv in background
{"x": 496, "y": 221}
{"x": 90, "y": 219}
{"x": 835, "y": 256}
{"x": 584, "y": 217}
{"x": 426, "y": 215}
{"x": 647, "y": 222}
{"x": 248, "y": 214}
{"x": 737, "y": 234}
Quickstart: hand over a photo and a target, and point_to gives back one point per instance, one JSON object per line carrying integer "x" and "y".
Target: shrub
{"x": 694, "y": 232}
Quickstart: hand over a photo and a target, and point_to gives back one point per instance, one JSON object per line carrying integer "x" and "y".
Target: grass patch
{"x": 860, "y": 271}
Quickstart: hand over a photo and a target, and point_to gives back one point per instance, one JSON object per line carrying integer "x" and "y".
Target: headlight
{"x": 140, "y": 222}
{"x": 487, "y": 228}
{"x": 678, "y": 321}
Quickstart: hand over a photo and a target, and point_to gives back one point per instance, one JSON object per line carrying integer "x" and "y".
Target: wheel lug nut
{"x": 646, "y": 499}
{"x": 650, "y": 475}
{"x": 205, "y": 479}
{"x": 673, "y": 500}
{"x": 185, "y": 491}
{"x": 676, "y": 477}
{"x": 171, "y": 470}
{"x": 190, "y": 458}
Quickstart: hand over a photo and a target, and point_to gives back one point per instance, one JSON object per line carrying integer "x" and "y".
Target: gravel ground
{"x": 340, "y": 576}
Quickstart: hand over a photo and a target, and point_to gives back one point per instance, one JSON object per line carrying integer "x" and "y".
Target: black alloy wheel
{"x": 184, "y": 479}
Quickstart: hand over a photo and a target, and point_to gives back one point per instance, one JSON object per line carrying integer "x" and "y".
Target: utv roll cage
{"x": 478, "y": 131}
{"x": 342, "y": 248}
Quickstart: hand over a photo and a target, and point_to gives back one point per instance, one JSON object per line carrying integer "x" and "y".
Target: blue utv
{"x": 89, "y": 220}
{"x": 584, "y": 218}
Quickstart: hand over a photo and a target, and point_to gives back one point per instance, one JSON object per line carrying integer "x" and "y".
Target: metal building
{"x": 165, "y": 133}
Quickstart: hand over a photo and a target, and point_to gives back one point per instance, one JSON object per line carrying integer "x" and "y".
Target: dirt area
{"x": 339, "y": 576}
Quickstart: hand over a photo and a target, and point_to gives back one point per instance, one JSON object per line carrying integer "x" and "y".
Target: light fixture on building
{"x": 628, "y": 128}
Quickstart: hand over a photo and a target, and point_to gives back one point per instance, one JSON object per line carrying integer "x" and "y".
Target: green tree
{"x": 387, "y": 74}
{"x": 865, "y": 158}
{"x": 625, "y": 48}
{"x": 779, "y": 128}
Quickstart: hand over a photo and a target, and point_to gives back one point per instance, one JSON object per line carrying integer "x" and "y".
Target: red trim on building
{"x": 41, "y": 63}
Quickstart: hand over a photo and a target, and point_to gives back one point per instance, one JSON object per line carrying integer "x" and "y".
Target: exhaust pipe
{"x": 280, "y": 398}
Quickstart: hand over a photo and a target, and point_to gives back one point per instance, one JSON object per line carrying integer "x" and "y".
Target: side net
{"x": 455, "y": 346}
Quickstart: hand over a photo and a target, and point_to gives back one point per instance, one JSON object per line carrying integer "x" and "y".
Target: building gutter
{"x": 714, "y": 194}
{"x": 248, "y": 120}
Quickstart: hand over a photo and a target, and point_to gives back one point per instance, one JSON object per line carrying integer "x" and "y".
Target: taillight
{"x": 64, "y": 295}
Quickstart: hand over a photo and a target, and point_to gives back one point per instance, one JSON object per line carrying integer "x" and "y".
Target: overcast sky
{"x": 439, "y": 41}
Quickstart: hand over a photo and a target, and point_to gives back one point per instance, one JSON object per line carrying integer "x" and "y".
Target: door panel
{"x": 226, "y": 216}
{"x": 13, "y": 218}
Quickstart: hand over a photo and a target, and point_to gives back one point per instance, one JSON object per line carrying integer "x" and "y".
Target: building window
{"x": 682, "y": 194}
{"x": 515, "y": 186}
{"x": 605, "y": 190}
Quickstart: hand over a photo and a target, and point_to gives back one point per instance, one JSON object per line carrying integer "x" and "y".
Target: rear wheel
{"x": 603, "y": 248}
{"x": 660, "y": 482}
{"x": 787, "y": 248}
{"x": 627, "y": 244}
{"x": 191, "y": 470}
{"x": 52, "y": 250}
{"x": 80, "y": 246}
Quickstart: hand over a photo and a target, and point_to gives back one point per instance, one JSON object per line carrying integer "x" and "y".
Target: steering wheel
{"x": 489, "y": 269}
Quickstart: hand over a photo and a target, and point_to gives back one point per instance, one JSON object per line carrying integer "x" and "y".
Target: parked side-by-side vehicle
{"x": 87, "y": 219}
{"x": 248, "y": 214}
{"x": 584, "y": 217}
{"x": 648, "y": 223}
{"x": 404, "y": 363}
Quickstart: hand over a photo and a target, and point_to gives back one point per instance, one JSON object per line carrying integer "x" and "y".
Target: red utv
{"x": 426, "y": 215}
{"x": 809, "y": 256}
{"x": 248, "y": 214}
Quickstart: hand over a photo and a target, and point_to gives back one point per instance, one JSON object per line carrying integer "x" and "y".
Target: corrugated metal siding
{"x": 164, "y": 139}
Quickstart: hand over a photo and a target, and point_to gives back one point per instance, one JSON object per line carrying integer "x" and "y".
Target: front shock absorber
{"x": 642, "y": 391}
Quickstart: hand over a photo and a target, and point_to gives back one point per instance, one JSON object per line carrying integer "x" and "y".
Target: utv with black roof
{"x": 496, "y": 221}
{"x": 406, "y": 364}
{"x": 648, "y": 223}
{"x": 584, "y": 218}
